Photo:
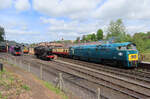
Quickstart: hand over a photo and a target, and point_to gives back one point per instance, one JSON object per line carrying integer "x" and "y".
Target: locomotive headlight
{"x": 120, "y": 54}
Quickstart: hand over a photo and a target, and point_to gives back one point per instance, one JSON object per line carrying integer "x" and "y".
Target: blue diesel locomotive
{"x": 119, "y": 54}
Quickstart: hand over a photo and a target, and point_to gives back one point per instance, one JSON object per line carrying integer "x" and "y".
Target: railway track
{"x": 145, "y": 66}
{"x": 114, "y": 80}
{"x": 98, "y": 79}
{"x": 130, "y": 73}
{"x": 108, "y": 79}
{"x": 82, "y": 73}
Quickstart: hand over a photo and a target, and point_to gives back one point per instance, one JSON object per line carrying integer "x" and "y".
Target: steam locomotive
{"x": 15, "y": 50}
{"x": 44, "y": 53}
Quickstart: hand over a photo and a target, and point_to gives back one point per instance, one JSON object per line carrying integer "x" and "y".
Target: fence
{"x": 63, "y": 81}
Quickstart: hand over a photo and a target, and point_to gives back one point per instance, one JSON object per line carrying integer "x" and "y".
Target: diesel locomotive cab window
{"x": 128, "y": 47}
{"x": 131, "y": 47}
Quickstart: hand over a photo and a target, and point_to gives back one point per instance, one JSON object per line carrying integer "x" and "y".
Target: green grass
{"x": 146, "y": 56}
{"x": 51, "y": 87}
{"x": 140, "y": 70}
{"x": 0, "y": 95}
{"x": 4, "y": 71}
{"x": 25, "y": 87}
{"x": 54, "y": 89}
{"x": 47, "y": 84}
{"x": 10, "y": 81}
{"x": 147, "y": 51}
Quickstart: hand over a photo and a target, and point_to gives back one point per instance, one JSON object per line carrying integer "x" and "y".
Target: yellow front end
{"x": 133, "y": 57}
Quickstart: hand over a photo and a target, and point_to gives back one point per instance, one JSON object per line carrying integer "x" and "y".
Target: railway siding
{"x": 114, "y": 78}
{"x": 109, "y": 80}
{"x": 85, "y": 76}
{"x": 95, "y": 80}
{"x": 136, "y": 74}
{"x": 106, "y": 74}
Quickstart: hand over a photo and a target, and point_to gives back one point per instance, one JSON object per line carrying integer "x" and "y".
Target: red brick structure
{"x": 50, "y": 44}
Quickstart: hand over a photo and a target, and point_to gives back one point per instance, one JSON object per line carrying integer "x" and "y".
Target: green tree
{"x": 139, "y": 40}
{"x": 99, "y": 34}
{"x": 128, "y": 38}
{"x": 89, "y": 37}
{"x": 117, "y": 29}
{"x": 83, "y": 38}
{"x": 2, "y": 33}
{"x": 77, "y": 40}
{"x": 93, "y": 37}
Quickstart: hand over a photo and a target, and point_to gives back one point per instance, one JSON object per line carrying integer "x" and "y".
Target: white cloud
{"x": 85, "y": 9}
{"x": 72, "y": 18}
{"x": 51, "y": 21}
{"x": 20, "y": 32}
{"x": 22, "y": 5}
{"x": 69, "y": 8}
{"x": 95, "y": 16}
{"x": 137, "y": 28}
{"x": 5, "y": 3}
{"x": 71, "y": 29}
{"x": 71, "y": 26}
{"x": 126, "y": 9}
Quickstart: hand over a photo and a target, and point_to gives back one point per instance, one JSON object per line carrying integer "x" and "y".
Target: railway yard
{"x": 79, "y": 49}
{"x": 83, "y": 78}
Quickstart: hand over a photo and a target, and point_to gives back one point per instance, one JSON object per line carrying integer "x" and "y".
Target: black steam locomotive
{"x": 44, "y": 53}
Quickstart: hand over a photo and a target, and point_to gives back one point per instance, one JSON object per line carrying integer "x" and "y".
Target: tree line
{"x": 117, "y": 31}
{"x": 90, "y": 37}
{"x": 2, "y": 34}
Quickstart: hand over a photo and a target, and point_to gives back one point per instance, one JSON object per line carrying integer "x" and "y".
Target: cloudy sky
{"x": 47, "y": 20}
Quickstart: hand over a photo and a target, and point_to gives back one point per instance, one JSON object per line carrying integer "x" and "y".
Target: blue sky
{"x": 32, "y": 21}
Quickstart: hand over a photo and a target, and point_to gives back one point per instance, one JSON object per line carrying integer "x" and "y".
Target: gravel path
{"x": 38, "y": 90}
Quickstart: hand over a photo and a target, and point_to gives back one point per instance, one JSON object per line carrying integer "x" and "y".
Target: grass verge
{"x": 146, "y": 56}
{"x": 11, "y": 86}
{"x": 54, "y": 89}
{"x": 46, "y": 84}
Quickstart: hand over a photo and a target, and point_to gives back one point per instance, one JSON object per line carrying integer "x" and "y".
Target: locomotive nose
{"x": 133, "y": 57}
